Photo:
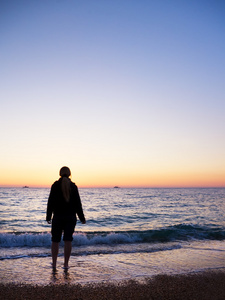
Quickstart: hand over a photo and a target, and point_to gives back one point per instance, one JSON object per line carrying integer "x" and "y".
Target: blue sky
{"x": 123, "y": 92}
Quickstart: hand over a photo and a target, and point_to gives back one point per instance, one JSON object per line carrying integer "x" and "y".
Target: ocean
{"x": 131, "y": 233}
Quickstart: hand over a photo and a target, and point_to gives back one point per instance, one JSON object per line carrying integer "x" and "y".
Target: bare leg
{"x": 55, "y": 251}
{"x": 67, "y": 252}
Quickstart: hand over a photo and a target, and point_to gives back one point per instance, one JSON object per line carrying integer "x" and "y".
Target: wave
{"x": 179, "y": 232}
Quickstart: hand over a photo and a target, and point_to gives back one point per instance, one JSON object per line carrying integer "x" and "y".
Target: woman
{"x": 64, "y": 203}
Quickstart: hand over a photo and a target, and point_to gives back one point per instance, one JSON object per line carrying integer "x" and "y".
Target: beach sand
{"x": 200, "y": 286}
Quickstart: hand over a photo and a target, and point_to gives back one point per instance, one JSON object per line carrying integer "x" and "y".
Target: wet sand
{"x": 200, "y": 286}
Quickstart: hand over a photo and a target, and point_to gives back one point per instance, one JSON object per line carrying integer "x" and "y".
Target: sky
{"x": 124, "y": 92}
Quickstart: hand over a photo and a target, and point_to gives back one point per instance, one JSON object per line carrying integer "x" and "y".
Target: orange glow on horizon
{"x": 160, "y": 180}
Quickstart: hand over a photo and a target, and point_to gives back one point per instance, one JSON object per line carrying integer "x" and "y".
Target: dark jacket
{"x": 58, "y": 206}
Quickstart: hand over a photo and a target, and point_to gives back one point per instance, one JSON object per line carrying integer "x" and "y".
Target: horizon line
{"x": 116, "y": 187}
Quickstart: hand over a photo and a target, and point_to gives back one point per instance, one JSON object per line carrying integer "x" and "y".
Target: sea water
{"x": 130, "y": 233}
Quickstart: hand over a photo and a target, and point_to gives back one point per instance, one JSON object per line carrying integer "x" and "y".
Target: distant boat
{"x": 25, "y": 187}
{"x": 116, "y": 187}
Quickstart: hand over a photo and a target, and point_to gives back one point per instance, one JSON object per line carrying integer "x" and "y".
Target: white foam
{"x": 25, "y": 240}
{"x": 108, "y": 239}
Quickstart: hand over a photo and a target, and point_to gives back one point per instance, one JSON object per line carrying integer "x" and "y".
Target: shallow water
{"x": 194, "y": 257}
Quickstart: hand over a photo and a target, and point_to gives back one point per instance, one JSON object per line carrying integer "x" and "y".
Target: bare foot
{"x": 53, "y": 268}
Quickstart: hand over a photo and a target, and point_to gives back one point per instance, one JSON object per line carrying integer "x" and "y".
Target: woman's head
{"x": 64, "y": 172}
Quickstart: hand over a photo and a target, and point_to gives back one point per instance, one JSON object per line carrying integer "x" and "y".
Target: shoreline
{"x": 205, "y": 285}
{"x": 113, "y": 268}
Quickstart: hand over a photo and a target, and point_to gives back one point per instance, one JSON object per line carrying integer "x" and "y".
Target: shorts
{"x": 65, "y": 225}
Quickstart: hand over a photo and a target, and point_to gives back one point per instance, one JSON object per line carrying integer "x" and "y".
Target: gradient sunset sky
{"x": 124, "y": 92}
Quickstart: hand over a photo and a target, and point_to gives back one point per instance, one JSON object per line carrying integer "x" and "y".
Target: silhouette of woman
{"x": 64, "y": 203}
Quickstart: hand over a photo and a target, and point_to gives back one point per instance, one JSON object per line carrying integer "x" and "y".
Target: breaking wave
{"x": 164, "y": 235}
